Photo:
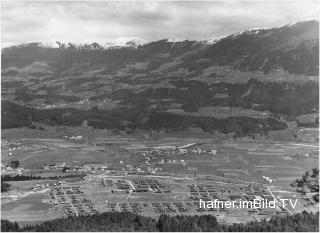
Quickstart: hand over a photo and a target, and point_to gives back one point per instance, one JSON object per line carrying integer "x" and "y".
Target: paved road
{"x": 70, "y": 202}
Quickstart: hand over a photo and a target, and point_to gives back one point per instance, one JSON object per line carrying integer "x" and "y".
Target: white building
{"x": 213, "y": 152}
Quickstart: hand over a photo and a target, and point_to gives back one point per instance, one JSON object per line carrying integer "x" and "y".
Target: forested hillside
{"x": 261, "y": 75}
{"x": 132, "y": 119}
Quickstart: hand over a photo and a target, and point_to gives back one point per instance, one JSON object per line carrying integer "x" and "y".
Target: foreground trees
{"x": 309, "y": 183}
{"x": 131, "y": 222}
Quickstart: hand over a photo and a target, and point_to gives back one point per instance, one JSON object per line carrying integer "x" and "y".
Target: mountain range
{"x": 248, "y": 82}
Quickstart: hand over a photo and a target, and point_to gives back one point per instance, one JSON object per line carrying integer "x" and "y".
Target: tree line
{"x": 5, "y": 186}
{"x": 308, "y": 183}
{"x": 32, "y": 177}
{"x": 121, "y": 221}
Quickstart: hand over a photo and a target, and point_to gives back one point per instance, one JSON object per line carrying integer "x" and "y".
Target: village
{"x": 162, "y": 198}
{"x": 167, "y": 177}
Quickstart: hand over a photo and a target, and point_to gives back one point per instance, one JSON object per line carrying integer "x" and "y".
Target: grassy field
{"x": 28, "y": 209}
{"x": 246, "y": 159}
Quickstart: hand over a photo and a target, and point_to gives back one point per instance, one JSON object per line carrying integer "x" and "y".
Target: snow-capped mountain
{"x": 140, "y": 87}
{"x": 100, "y": 44}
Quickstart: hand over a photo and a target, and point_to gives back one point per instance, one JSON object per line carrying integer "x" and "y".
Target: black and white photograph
{"x": 159, "y": 116}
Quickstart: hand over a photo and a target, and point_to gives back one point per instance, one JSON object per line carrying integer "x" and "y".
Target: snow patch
{"x": 175, "y": 39}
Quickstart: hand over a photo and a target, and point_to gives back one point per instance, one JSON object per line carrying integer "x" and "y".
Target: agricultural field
{"x": 24, "y": 204}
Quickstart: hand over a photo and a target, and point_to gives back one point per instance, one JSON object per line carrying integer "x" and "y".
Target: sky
{"x": 87, "y": 21}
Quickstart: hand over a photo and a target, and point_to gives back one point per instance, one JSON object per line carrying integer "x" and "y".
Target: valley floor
{"x": 151, "y": 175}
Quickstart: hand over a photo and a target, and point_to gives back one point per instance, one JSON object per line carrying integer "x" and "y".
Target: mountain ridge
{"x": 135, "y": 41}
{"x": 262, "y": 70}
{"x": 264, "y": 49}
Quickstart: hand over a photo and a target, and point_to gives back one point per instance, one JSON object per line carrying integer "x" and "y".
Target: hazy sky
{"x": 97, "y": 21}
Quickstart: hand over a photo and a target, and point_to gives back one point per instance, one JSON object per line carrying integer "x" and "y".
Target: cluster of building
{"x": 66, "y": 168}
{"x": 255, "y": 192}
{"x": 302, "y": 155}
{"x": 7, "y": 170}
{"x": 146, "y": 168}
{"x": 157, "y": 157}
{"x": 210, "y": 192}
{"x": 84, "y": 103}
{"x": 121, "y": 169}
{"x": 144, "y": 185}
{"x": 38, "y": 187}
{"x": 76, "y": 139}
{"x": 138, "y": 185}
{"x": 197, "y": 191}
{"x": 163, "y": 208}
{"x": 72, "y": 200}
{"x": 172, "y": 161}
{"x": 157, "y": 207}
{"x": 12, "y": 147}
{"x": 268, "y": 179}
{"x": 192, "y": 148}
{"x": 130, "y": 207}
